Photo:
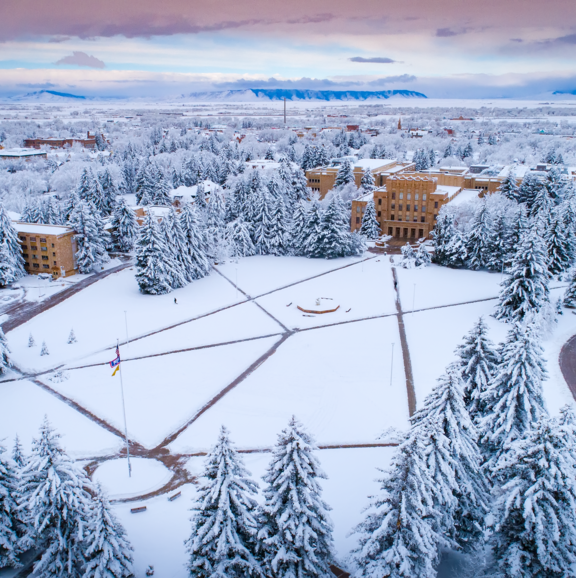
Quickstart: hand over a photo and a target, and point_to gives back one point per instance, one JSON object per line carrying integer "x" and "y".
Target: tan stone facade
{"x": 47, "y": 249}
{"x": 322, "y": 179}
{"x": 409, "y": 204}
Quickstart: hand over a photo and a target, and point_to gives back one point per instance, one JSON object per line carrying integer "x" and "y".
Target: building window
{"x": 34, "y": 256}
{"x": 393, "y": 206}
{"x": 36, "y": 266}
{"x": 379, "y": 213}
{"x": 393, "y": 195}
{"x": 423, "y": 197}
{"x": 415, "y": 208}
{"x": 53, "y": 254}
{"x": 416, "y": 196}
{"x": 407, "y": 207}
{"x": 46, "y": 266}
{"x": 435, "y": 204}
{"x": 357, "y": 209}
{"x": 435, "y": 217}
{"x": 400, "y": 207}
{"x": 421, "y": 219}
{"x": 415, "y": 219}
{"x": 42, "y": 240}
{"x": 379, "y": 201}
{"x": 408, "y": 196}
{"x": 52, "y": 245}
{"x": 33, "y": 239}
{"x": 391, "y": 217}
{"x": 44, "y": 258}
{"x": 43, "y": 249}
{"x": 22, "y": 239}
{"x": 401, "y": 196}
{"x": 357, "y": 220}
{"x": 423, "y": 209}
{"x": 25, "y": 255}
{"x": 54, "y": 262}
{"x": 33, "y": 248}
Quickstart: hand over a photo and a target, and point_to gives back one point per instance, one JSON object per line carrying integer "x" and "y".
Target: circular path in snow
{"x": 147, "y": 476}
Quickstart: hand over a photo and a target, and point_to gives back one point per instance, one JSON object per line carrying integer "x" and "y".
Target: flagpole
{"x": 124, "y": 412}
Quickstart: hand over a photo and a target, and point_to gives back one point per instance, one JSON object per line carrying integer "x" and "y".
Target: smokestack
{"x": 284, "y": 110}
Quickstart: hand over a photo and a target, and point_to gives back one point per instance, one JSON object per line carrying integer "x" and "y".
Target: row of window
{"x": 44, "y": 257}
{"x": 33, "y": 239}
{"x": 393, "y": 206}
{"x": 409, "y": 196}
{"x": 37, "y": 266}
{"x": 415, "y": 218}
{"x": 313, "y": 180}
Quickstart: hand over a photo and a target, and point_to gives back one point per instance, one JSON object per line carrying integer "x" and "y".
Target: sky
{"x": 161, "y": 49}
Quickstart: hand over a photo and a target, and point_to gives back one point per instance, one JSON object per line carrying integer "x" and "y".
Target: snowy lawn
{"x": 364, "y": 290}
{"x": 434, "y": 335}
{"x": 161, "y": 393}
{"x": 335, "y": 380}
{"x": 239, "y": 322}
{"x": 263, "y": 273}
{"x": 437, "y": 286}
{"x": 24, "y": 405}
{"x": 146, "y": 476}
{"x": 97, "y": 316}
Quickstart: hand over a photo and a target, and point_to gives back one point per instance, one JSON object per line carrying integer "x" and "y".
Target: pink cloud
{"x": 82, "y": 59}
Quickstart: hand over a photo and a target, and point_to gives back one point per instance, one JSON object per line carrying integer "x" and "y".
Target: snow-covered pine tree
{"x": 422, "y": 256}
{"x": 513, "y": 401}
{"x": 344, "y": 174}
{"x": 558, "y": 244}
{"x": 44, "y": 350}
{"x": 224, "y": 526}
{"x": 370, "y": 226}
{"x": 107, "y": 550}
{"x": 444, "y": 231}
{"x": 398, "y": 537}
{"x": 535, "y": 511}
{"x": 31, "y": 342}
{"x": 162, "y": 189}
{"x": 408, "y": 256}
{"x": 499, "y": 242}
{"x": 215, "y": 222}
{"x": 152, "y": 272}
{"x": 91, "y": 237}
{"x": 124, "y": 226}
{"x": 71, "y": 337}
{"x": 295, "y": 530}
{"x": 238, "y": 236}
{"x": 18, "y": 456}
{"x": 299, "y": 184}
{"x": 84, "y": 184}
{"x": 529, "y": 189}
{"x": 444, "y": 407}
{"x": 196, "y": 246}
{"x": 5, "y": 361}
{"x": 95, "y": 194}
{"x": 201, "y": 204}
{"x": 9, "y": 541}
{"x": 479, "y": 240}
{"x": 478, "y": 359}
{"x": 298, "y": 233}
{"x": 12, "y": 251}
{"x": 367, "y": 181}
{"x": 334, "y": 239}
{"x": 518, "y": 229}
{"x": 109, "y": 189}
{"x": 525, "y": 290}
{"x": 542, "y": 205}
{"x": 52, "y": 212}
{"x": 311, "y": 246}
{"x": 177, "y": 258}
{"x": 55, "y": 498}
{"x": 570, "y": 294}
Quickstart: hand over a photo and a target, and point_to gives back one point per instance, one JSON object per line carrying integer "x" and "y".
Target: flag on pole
{"x": 115, "y": 363}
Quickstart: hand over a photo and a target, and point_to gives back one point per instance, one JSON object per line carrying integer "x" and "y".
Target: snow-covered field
{"x": 341, "y": 374}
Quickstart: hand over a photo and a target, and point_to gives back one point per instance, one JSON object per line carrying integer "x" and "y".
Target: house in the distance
{"x": 47, "y": 248}
{"x": 23, "y": 154}
{"x": 57, "y": 143}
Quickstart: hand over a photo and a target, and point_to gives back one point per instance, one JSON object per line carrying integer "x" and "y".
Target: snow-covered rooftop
{"x": 39, "y": 229}
{"x": 21, "y": 153}
{"x": 448, "y": 190}
{"x": 373, "y": 164}
{"x": 465, "y": 196}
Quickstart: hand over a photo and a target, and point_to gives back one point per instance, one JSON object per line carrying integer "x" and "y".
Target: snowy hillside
{"x": 47, "y": 96}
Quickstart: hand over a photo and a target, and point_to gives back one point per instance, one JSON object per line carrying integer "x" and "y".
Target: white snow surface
{"x": 146, "y": 476}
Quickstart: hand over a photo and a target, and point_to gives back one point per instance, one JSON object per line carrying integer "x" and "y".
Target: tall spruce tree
{"x": 223, "y": 540}
{"x": 152, "y": 271}
{"x": 570, "y": 294}
{"x": 196, "y": 245}
{"x": 509, "y": 187}
{"x": 535, "y": 511}
{"x": 334, "y": 239}
{"x": 398, "y": 537}
{"x": 479, "y": 240}
{"x": 11, "y": 249}
{"x": 344, "y": 175}
{"x": 238, "y": 235}
{"x": 56, "y": 501}
{"x": 558, "y": 243}
{"x": 525, "y": 291}
{"x": 370, "y": 226}
{"x": 5, "y": 361}
{"x": 478, "y": 359}
{"x": 444, "y": 407}
{"x": 124, "y": 226}
{"x": 295, "y": 531}
{"x": 514, "y": 399}
{"x": 367, "y": 181}
{"x": 298, "y": 233}
{"x": 443, "y": 233}
{"x": 108, "y": 551}
{"x": 91, "y": 237}
{"x": 9, "y": 541}
{"x": 176, "y": 258}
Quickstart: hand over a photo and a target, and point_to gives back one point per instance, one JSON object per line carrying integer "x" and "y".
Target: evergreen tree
{"x": 367, "y": 182}
{"x": 517, "y": 232}
{"x": 408, "y": 256}
{"x": 177, "y": 259}
{"x": 344, "y": 175}
{"x": 443, "y": 233}
{"x": 312, "y": 230}
{"x": 525, "y": 290}
{"x": 31, "y": 342}
{"x": 124, "y": 226}
{"x": 11, "y": 250}
{"x": 478, "y": 361}
{"x": 56, "y": 502}
{"x": 541, "y": 205}
{"x": 18, "y": 456}
{"x": 479, "y": 239}
{"x": 238, "y": 236}
{"x": 200, "y": 198}
{"x": 108, "y": 551}
{"x": 215, "y": 223}
{"x": 529, "y": 189}
{"x": 398, "y": 537}
{"x": 152, "y": 272}
{"x": 223, "y": 538}
{"x": 334, "y": 238}
{"x": 570, "y": 295}
{"x": 513, "y": 400}
{"x": 91, "y": 237}
{"x": 5, "y": 361}
{"x": 535, "y": 511}
{"x": 445, "y": 408}
{"x": 558, "y": 243}
{"x": 195, "y": 242}
{"x": 110, "y": 191}
{"x": 422, "y": 256}
{"x": 72, "y": 337}
{"x": 95, "y": 194}
{"x": 499, "y": 243}
{"x": 370, "y": 226}
{"x": 298, "y": 231}
{"x": 44, "y": 350}
{"x": 84, "y": 184}
{"x": 9, "y": 542}
{"x": 162, "y": 189}
{"x": 299, "y": 185}
{"x": 295, "y": 531}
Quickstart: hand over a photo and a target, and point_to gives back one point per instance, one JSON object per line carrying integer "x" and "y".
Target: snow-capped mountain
{"x": 47, "y": 96}
{"x": 256, "y": 94}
